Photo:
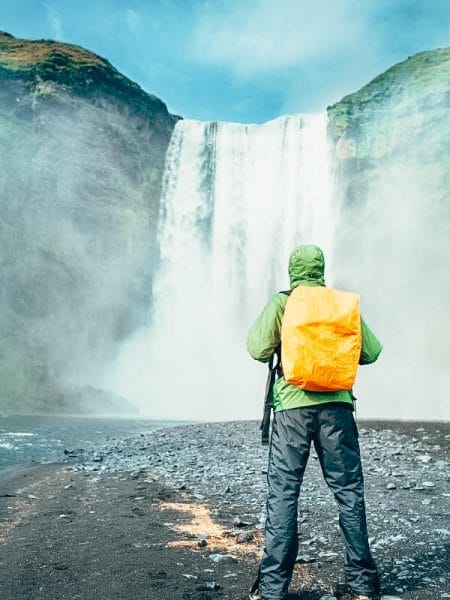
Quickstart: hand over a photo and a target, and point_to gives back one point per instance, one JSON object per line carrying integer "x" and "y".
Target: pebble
{"x": 244, "y": 536}
{"x": 328, "y": 554}
{"x": 424, "y": 458}
{"x": 212, "y": 585}
{"x": 238, "y": 522}
{"x": 222, "y": 557}
{"x": 305, "y": 559}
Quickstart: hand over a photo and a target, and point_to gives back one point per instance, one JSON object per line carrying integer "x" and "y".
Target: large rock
{"x": 82, "y": 152}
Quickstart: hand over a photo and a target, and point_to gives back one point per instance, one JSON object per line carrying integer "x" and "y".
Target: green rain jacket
{"x": 306, "y": 267}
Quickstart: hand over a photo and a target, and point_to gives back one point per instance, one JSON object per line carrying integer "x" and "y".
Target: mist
{"x": 77, "y": 244}
{"x": 237, "y": 199}
{"x": 393, "y": 249}
{"x": 230, "y": 192}
{"x": 129, "y": 290}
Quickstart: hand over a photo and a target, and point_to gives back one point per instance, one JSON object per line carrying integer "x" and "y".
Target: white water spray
{"x": 237, "y": 199}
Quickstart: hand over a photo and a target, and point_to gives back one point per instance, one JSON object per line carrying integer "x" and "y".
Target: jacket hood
{"x": 307, "y": 264}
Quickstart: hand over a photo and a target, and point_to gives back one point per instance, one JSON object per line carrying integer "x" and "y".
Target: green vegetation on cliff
{"x": 395, "y": 109}
{"x": 43, "y": 70}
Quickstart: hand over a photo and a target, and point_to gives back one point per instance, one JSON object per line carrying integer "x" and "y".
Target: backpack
{"x": 321, "y": 339}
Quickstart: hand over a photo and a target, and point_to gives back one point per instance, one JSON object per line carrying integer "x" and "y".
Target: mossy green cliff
{"x": 394, "y": 109}
{"x": 400, "y": 121}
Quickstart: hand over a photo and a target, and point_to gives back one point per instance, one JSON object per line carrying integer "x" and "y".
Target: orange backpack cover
{"x": 321, "y": 339}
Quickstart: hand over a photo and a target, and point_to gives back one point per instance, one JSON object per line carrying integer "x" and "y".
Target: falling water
{"x": 237, "y": 198}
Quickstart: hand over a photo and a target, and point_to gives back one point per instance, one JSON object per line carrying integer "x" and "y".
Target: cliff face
{"x": 400, "y": 113}
{"x": 392, "y": 147}
{"x": 392, "y": 142}
{"x": 82, "y": 152}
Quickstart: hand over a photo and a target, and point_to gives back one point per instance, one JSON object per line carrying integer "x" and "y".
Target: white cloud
{"x": 134, "y": 20}
{"x": 55, "y": 23}
{"x": 261, "y": 35}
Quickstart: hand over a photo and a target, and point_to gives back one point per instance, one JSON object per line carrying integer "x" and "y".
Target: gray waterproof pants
{"x": 332, "y": 430}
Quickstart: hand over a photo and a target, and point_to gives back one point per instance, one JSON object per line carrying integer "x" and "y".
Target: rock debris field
{"x": 223, "y": 466}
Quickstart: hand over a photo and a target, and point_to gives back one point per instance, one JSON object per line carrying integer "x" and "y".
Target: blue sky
{"x": 240, "y": 60}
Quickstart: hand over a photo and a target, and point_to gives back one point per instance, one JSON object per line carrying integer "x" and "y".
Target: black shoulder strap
{"x": 274, "y": 368}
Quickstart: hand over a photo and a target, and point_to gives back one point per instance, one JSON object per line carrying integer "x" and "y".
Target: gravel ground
{"x": 407, "y": 490}
{"x": 198, "y": 492}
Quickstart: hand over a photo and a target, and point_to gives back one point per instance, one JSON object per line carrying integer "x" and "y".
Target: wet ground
{"x": 25, "y": 439}
{"x": 72, "y": 535}
{"x": 178, "y": 513}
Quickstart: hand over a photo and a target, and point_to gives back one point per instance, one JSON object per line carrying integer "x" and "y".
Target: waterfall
{"x": 237, "y": 198}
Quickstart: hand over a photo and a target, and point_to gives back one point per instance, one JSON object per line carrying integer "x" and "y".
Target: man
{"x": 324, "y": 418}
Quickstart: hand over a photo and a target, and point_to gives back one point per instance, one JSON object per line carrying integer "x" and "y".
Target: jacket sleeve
{"x": 371, "y": 346}
{"x": 265, "y": 333}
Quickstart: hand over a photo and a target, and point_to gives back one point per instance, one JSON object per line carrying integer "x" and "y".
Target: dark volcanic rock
{"x": 82, "y": 152}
